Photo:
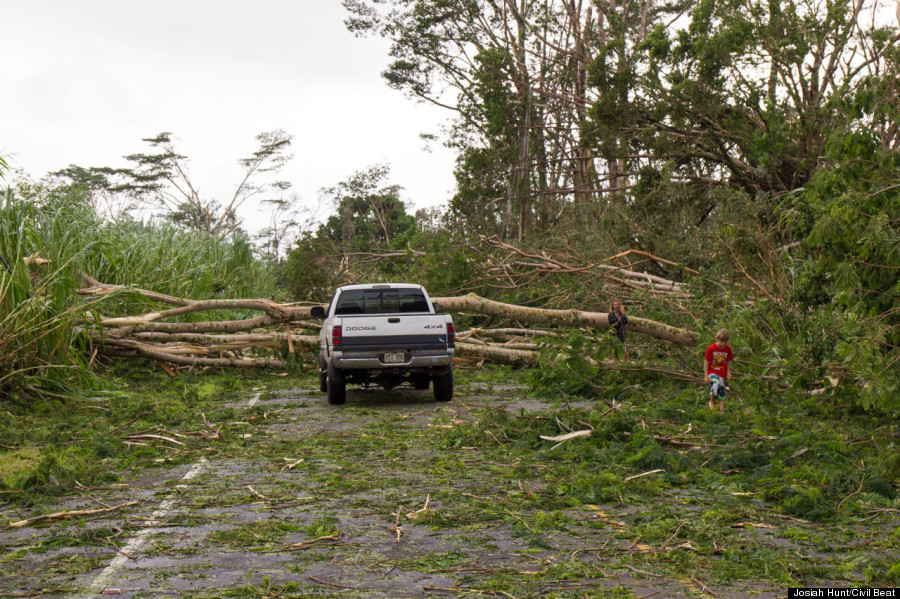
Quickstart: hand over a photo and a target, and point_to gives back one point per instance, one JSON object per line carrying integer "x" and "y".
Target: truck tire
{"x": 336, "y": 387}
{"x": 323, "y": 376}
{"x": 443, "y": 386}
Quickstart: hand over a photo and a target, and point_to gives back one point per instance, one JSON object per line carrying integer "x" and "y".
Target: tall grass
{"x": 38, "y": 347}
{"x": 41, "y": 350}
{"x": 153, "y": 255}
{"x": 182, "y": 263}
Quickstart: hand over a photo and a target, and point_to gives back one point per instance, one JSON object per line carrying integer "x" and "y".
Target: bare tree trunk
{"x": 497, "y": 355}
{"x": 159, "y": 353}
{"x": 480, "y": 305}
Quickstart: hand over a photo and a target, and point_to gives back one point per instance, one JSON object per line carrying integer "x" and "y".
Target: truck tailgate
{"x": 410, "y": 333}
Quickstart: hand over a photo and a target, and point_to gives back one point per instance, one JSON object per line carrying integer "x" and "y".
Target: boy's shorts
{"x": 717, "y": 387}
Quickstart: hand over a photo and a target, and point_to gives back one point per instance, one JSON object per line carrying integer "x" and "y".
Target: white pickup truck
{"x": 387, "y": 334}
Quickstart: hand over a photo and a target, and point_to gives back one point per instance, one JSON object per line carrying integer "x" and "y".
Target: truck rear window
{"x": 380, "y": 301}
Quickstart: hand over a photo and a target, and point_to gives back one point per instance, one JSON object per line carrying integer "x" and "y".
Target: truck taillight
{"x": 336, "y": 336}
{"x": 451, "y": 334}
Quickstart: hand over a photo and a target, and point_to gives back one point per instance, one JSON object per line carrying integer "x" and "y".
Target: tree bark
{"x": 480, "y": 305}
{"x": 161, "y": 353}
{"x": 497, "y": 355}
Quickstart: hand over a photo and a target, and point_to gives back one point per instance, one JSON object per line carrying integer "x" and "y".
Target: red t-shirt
{"x": 718, "y": 358}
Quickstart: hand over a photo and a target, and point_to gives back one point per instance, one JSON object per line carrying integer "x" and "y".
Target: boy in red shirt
{"x": 718, "y": 355}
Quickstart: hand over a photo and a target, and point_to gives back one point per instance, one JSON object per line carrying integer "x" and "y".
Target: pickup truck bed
{"x": 387, "y": 334}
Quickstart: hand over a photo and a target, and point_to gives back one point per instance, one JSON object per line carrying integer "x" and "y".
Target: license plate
{"x": 394, "y": 358}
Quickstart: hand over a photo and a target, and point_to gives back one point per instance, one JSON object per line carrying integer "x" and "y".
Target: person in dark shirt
{"x": 617, "y": 322}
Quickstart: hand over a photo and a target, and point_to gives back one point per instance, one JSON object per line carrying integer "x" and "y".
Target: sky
{"x": 83, "y": 82}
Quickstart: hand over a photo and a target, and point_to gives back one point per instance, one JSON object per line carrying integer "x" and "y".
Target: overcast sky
{"x": 82, "y": 82}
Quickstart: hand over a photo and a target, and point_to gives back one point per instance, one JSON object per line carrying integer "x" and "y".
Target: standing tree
{"x": 745, "y": 95}
{"x": 515, "y": 74}
{"x": 369, "y": 212}
{"x": 161, "y": 179}
{"x": 283, "y": 218}
{"x": 369, "y": 218}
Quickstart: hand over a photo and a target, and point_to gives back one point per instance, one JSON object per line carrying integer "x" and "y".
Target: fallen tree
{"x": 222, "y": 343}
{"x": 569, "y": 318}
{"x": 498, "y": 354}
{"x": 655, "y": 285}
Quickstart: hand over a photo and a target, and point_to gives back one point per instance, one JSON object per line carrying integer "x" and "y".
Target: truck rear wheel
{"x": 443, "y": 386}
{"x": 336, "y": 387}
{"x": 323, "y": 376}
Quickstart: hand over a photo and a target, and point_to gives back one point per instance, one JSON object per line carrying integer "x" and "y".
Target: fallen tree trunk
{"x": 220, "y": 342}
{"x": 215, "y": 326}
{"x": 130, "y": 348}
{"x": 282, "y": 313}
{"x": 525, "y": 358}
{"x": 514, "y": 332}
{"x": 249, "y": 339}
{"x": 499, "y": 355}
{"x": 276, "y": 311}
{"x": 272, "y": 309}
{"x": 480, "y": 305}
